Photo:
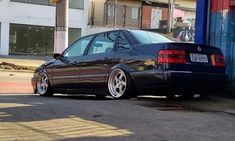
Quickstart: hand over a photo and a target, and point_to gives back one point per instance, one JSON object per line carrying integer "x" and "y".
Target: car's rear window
{"x": 145, "y": 37}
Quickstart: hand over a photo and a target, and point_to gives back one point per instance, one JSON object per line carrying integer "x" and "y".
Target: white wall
{"x": 23, "y": 13}
{"x": 93, "y": 30}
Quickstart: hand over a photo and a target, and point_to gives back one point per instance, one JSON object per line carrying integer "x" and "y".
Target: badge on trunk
{"x": 199, "y": 48}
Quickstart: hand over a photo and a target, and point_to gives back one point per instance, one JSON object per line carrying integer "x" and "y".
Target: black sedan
{"x": 126, "y": 63}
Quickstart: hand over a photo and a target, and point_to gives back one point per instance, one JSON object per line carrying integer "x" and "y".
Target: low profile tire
{"x": 188, "y": 96}
{"x": 100, "y": 97}
{"x": 43, "y": 85}
{"x": 204, "y": 95}
{"x": 119, "y": 84}
{"x": 170, "y": 96}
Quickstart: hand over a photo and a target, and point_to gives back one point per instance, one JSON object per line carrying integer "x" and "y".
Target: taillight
{"x": 172, "y": 56}
{"x": 217, "y": 60}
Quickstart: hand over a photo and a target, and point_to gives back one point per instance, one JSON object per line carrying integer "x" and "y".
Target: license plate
{"x": 200, "y": 58}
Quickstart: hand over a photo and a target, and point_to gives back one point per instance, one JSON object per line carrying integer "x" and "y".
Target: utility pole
{"x": 61, "y": 25}
{"x": 115, "y": 19}
{"x": 171, "y": 7}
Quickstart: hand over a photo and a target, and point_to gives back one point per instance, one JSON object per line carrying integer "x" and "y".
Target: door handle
{"x": 76, "y": 63}
{"x": 107, "y": 60}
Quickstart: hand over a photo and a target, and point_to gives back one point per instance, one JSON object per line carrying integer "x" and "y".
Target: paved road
{"x": 31, "y": 117}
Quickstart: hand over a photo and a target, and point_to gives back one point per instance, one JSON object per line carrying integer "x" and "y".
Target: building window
{"x": 111, "y": 10}
{"x": 135, "y": 13}
{"x": 35, "y": 40}
{"x": 31, "y": 40}
{"x": 76, "y": 4}
{"x": 74, "y": 34}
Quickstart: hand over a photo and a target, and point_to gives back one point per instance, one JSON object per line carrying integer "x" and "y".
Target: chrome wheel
{"x": 42, "y": 83}
{"x": 117, "y": 83}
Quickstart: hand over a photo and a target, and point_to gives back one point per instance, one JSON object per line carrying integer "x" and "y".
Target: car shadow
{"x": 81, "y": 97}
{"x": 32, "y": 117}
{"x": 208, "y": 104}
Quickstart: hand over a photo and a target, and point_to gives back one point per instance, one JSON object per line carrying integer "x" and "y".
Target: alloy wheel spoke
{"x": 123, "y": 83}
{"x": 115, "y": 86}
{"x": 44, "y": 79}
{"x": 123, "y": 87}
{"x": 42, "y": 84}
{"x": 45, "y": 87}
{"x": 121, "y": 75}
{"x": 117, "y": 80}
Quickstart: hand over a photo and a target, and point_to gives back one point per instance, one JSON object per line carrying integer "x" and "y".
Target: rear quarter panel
{"x": 141, "y": 63}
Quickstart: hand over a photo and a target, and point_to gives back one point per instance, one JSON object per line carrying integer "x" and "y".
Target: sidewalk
{"x": 17, "y": 81}
{"x": 32, "y": 61}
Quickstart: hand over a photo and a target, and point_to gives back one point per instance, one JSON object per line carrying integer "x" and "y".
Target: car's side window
{"x": 103, "y": 43}
{"x": 78, "y": 48}
{"x": 123, "y": 43}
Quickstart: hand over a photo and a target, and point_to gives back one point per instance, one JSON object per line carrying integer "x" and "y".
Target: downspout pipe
{"x": 201, "y": 23}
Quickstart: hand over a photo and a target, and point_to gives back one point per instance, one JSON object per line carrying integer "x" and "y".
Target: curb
{"x": 19, "y": 71}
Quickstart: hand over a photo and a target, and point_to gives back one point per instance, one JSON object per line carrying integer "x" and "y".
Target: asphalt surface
{"x": 31, "y": 117}
{"x": 25, "y": 116}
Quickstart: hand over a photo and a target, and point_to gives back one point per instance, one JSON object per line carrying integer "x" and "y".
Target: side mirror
{"x": 57, "y": 56}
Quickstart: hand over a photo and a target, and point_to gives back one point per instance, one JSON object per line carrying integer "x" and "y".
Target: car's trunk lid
{"x": 199, "y": 58}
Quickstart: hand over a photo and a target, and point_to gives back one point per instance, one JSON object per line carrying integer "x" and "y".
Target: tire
{"x": 170, "y": 96}
{"x": 188, "y": 96}
{"x": 203, "y": 95}
{"x": 43, "y": 85}
{"x": 100, "y": 97}
{"x": 119, "y": 84}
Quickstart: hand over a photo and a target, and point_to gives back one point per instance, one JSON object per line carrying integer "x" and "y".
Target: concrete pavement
{"x": 33, "y": 61}
{"x": 15, "y": 82}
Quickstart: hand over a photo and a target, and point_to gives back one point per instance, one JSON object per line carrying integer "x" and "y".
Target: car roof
{"x": 109, "y": 31}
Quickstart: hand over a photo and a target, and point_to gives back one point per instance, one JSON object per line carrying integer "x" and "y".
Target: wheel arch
{"x": 123, "y": 67}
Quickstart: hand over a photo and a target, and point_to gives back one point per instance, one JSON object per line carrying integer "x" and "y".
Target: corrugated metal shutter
{"x": 222, "y": 32}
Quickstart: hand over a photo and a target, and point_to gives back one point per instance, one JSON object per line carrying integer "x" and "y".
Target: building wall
{"x": 186, "y": 3}
{"x": 33, "y": 14}
{"x": 147, "y": 15}
{"x": 146, "y": 18}
{"x": 101, "y": 20}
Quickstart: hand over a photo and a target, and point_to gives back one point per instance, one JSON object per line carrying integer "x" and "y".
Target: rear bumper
{"x": 183, "y": 81}
{"x": 188, "y": 77}
{"x": 196, "y": 82}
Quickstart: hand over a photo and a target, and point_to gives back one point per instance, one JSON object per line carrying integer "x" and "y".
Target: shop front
{"x": 35, "y": 40}
{"x": 175, "y": 18}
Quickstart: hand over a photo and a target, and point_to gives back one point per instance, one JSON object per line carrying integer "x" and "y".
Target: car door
{"x": 66, "y": 70}
{"x": 98, "y": 60}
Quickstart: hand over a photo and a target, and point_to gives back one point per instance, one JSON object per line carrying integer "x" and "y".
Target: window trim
{"x": 131, "y": 46}
{"x": 95, "y": 35}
